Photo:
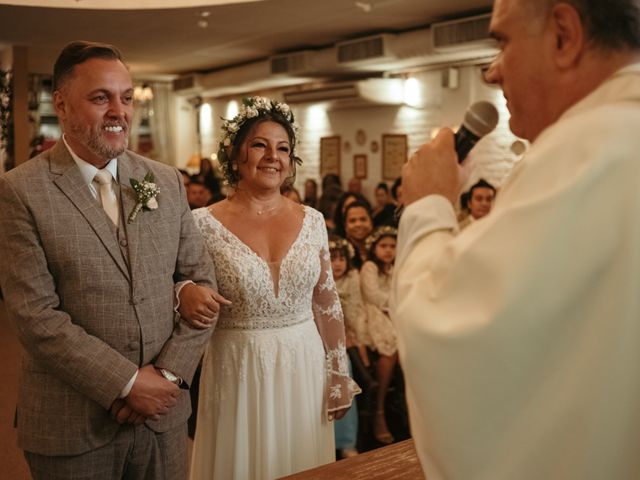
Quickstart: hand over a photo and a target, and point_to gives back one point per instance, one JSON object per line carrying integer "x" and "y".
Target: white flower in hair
{"x": 283, "y": 107}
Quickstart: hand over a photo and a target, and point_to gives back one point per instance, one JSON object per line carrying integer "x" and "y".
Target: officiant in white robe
{"x": 520, "y": 336}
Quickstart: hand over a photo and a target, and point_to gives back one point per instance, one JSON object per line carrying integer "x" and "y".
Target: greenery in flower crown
{"x": 378, "y": 233}
{"x": 252, "y": 107}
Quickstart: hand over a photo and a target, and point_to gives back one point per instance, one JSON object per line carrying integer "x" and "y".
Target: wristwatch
{"x": 170, "y": 376}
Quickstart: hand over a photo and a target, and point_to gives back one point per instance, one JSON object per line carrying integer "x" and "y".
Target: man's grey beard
{"x": 95, "y": 143}
{"x": 105, "y": 150}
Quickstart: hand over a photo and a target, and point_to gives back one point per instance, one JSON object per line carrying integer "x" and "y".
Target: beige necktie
{"x": 107, "y": 195}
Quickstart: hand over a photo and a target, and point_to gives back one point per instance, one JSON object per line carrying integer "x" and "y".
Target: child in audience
{"x": 375, "y": 278}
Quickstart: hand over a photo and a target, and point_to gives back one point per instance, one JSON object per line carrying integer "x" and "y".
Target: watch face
{"x": 169, "y": 376}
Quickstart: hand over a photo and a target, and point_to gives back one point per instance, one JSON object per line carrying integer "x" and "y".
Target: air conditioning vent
{"x": 188, "y": 82}
{"x": 380, "y": 91}
{"x": 290, "y": 63}
{"x": 461, "y": 33}
{"x": 370, "y": 48}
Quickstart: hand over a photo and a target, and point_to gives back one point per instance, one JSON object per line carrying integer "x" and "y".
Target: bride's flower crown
{"x": 252, "y": 107}
{"x": 342, "y": 244}
{"x": 384, "y": 231}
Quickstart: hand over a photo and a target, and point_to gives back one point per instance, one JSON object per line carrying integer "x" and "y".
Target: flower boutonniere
{"x": 146, "y": 192}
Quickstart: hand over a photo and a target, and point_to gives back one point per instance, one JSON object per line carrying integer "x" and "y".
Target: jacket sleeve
{"x": 182, "y": 352}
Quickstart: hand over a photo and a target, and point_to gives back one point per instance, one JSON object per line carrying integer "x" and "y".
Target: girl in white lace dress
{"x": 275, "y": 372}
{"x": 375, "y": 279}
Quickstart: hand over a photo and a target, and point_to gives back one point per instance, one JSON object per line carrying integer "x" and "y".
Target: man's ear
{"x": 569, "y": 34}
{"x": 59, "y": 104}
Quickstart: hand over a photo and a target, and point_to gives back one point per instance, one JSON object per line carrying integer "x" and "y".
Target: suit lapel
{"x": 72, "y": 184}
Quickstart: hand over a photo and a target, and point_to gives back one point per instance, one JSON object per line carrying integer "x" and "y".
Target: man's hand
{"x": 152, "y": 395}
{"x": 433, "y": 170}
{"x": 122, "y": 413}
{"x": 200, "y": 305}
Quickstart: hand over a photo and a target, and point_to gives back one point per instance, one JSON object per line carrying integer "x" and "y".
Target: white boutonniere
{"x": 146, "y": 192}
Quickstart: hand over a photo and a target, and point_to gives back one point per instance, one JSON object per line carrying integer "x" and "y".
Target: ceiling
{"x": 163, "y": 41}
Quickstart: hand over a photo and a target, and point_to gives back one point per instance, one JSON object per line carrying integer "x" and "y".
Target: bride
{"x": 275, "y": 371}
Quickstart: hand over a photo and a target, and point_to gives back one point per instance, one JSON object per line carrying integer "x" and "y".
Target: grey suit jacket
{"x": 90, "y": 306}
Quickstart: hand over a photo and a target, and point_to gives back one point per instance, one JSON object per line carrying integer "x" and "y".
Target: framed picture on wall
{"x": 360, "y": 166}
{"x": 394, "y": 155}
{"x": 330, "y": 155}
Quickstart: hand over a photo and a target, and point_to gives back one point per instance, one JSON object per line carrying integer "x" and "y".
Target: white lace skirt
{"x": 262, "y": 412}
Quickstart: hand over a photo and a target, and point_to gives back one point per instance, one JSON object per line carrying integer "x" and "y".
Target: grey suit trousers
{"x": 136, "y": 453}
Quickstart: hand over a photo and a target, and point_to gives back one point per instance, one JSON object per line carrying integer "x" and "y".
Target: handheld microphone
{"x": 480, "y": 119}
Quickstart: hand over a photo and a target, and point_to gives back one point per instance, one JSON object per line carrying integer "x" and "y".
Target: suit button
{"x": 123, "y": 242}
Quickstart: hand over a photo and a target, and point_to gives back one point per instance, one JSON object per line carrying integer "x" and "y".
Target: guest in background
{"x": 343, "y": 202}
{"x": 520, "y": 338}
{"x": 275, "y": 373}
{"x": 207, "y": 176}
{"x": 375, "y": 278}
{"x": 186, "y": 178}
{"x": 198, "y": 195}
{"x": 331, "y": 191}
{"x": 89, "y": 287}
{"x": 384, "y": 211}
{"x": 355, "y": 186}
{"x": 358, "y": 225}
{"x": 311, "y": 193}
{"x": 331, "y": 179}
{"x": 291, "y": 193}
{"x": 479, "y": 202}
{"x": 396, "y": 192}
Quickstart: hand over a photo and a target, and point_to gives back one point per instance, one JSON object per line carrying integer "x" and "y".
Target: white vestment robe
{"x": 520, "y": 337}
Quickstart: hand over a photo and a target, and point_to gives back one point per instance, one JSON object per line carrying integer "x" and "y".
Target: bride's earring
{"x": 234, "y": 167}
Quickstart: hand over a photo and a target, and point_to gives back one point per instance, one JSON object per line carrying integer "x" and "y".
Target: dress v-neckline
{"x": 275, "y": 283}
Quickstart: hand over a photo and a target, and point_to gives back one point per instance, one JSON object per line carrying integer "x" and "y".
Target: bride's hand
{"x": 200, "y": 305}
{"x": 338, "y": 414}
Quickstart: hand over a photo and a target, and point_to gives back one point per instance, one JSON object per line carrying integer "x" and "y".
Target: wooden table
{"x": 394, "y": 461}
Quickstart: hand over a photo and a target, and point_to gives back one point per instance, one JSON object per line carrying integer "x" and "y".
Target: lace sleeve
{"x": 328, "y": 316}
{"x": 371, "y": 291}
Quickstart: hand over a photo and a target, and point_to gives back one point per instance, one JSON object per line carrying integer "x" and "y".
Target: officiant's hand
{"x": 200, "y": 305}
{"x": 152, "y": 395}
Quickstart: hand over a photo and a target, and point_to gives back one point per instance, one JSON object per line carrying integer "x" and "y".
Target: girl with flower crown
{"x": 375, "y": 278}
{"x": 275, "y": 373}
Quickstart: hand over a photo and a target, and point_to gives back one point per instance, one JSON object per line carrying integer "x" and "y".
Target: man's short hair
{"x": 79, "y": 52}
{"x": 610, "y": 24}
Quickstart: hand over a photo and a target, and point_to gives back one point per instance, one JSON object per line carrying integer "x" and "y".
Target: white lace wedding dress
{"x": 276, "y": 363}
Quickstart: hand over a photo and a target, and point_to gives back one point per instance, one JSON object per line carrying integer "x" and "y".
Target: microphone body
{"x": 465, "y": 141}
{"x": 480, "y": 119}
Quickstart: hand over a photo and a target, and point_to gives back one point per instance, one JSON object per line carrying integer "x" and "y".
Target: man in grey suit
{"x": 90, "y": 288}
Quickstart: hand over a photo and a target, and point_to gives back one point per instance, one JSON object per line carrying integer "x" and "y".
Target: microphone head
{"x": 481, "y": 118}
